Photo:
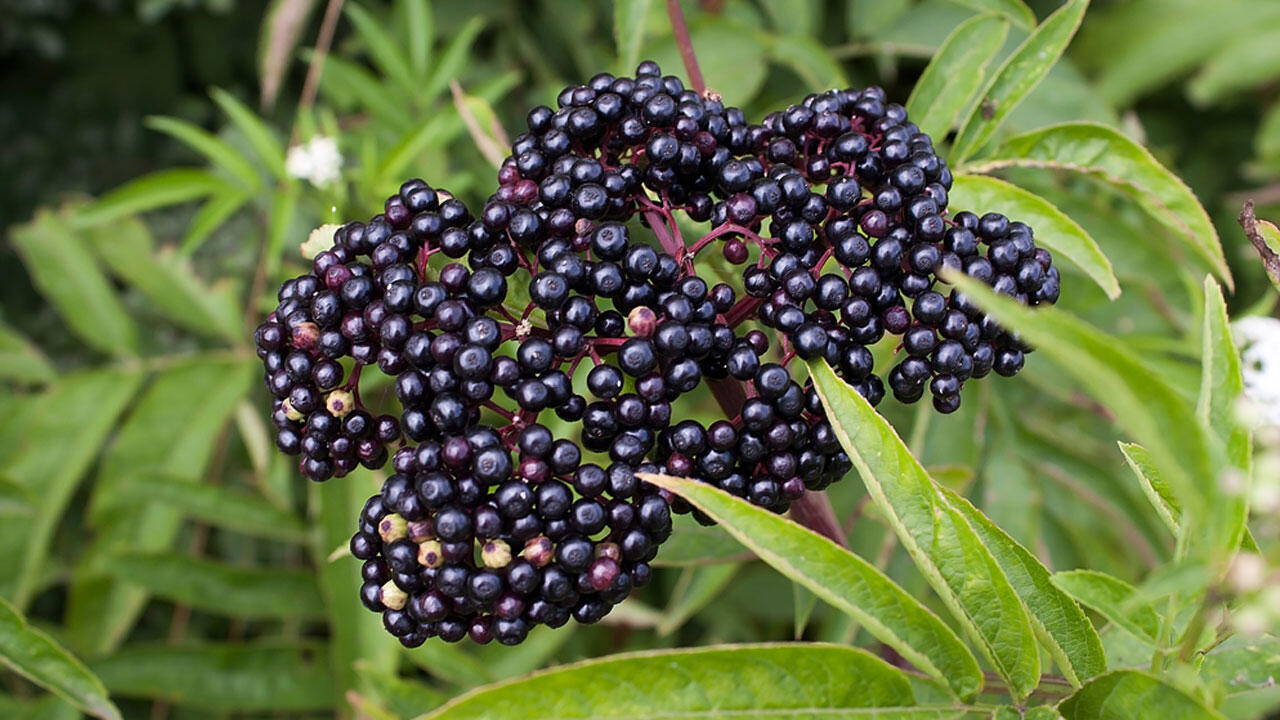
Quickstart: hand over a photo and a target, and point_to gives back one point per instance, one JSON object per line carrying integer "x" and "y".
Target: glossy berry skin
{"x": 569, "y": 293}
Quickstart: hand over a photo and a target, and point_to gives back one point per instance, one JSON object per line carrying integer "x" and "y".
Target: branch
{"x": 323, "y": 41}
{"x": 1270, "y": 260}
{"x": 687, "y": 54}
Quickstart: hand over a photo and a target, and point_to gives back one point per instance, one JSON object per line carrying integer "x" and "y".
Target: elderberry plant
{"x": 524, "y": 397}
{"x": 834, "y": 216}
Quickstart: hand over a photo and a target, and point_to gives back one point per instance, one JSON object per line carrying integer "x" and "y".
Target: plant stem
{"x": 1195, "y": 628}
{"x": 813, "y": 510}
{"x": 1249, "y": 223}
{"x": 687, "y": 54}
{"x": 1171, "y": 610}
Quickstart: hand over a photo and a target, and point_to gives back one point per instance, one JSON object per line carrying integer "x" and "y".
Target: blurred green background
{"x": 148, "y": 524}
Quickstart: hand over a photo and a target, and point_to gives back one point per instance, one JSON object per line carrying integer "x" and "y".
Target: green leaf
{"x": 161, "y": 188}
{"x": 793, "y": 17}
{"x": 211, "y": 215}
{"x": 1180, "y": 579}
{"x": 1104, "y": 153}
{"x": 170, "y": 431}
{"x": 1016, "y": 78}
{"x": 36, "y": 657}
{"x": 1054, "y": 230}
{"x": 808, "y": 58}
{"x": 541, "y": 646}
{"x": 348, "y": 78}
{"x": 405, "y": 698}
{"x": 80, "y": 410}
{"x": 1061, "y": 625}
{"x": 44, "y": 707}
{"x": 1015, "y": 10}
{"x": 284, "y": 208}
{"x": 382, "y": 49}
{"x": 1126, "y": 694}
{"x": 1153, "y": 486}
{"x": 355, "y": 633}
{"x": 256, "y": 132}
{"x": 1221, "y": 385}
{"x": 1143, "y": 402}
{"x": 846, "y": 581}
{"x": 628, "y": 31}
{"x": 167, "y": 280}
{"x": 14, "y": 499}
{"x": 248, "y": 592}
{"x": 450, "y": 663}
{"x": 698, "y": 587}
{"x": 1242, "y": 65}
{"x": 1221, "y": 382}
{"x": 452, "y": 60}
{"x": 736, "y": 75}
{"x": 1176, "y": 38}
{"x": 1267, "y": 141}
{"x": 955, "y": 73}
{"x": 418, "y": 25}
{"x": 21, "y": 361}
{"x": 1243, "y": 664}
{"x": 66, "y": 274}
{"x": 220, "y": 507}
{"x": 804, "y": 602}
{"x": 1113, "y": 599}
{"x": 216, "y": 150}
{"x": 868, "y": 18}
{"x": 692, "y": 543}
{"x": 437, "y": 129}
{"x": 785, "y": 681}
{"x": 227, "y": 678}
{"x": 946, "y": 550}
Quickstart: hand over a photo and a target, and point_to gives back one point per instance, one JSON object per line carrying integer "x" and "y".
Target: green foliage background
{"x": 150, "y": 530}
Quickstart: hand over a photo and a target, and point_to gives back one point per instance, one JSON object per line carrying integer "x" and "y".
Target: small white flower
{"x": 318, "y": 161}
{"x": 1259, "y": 341}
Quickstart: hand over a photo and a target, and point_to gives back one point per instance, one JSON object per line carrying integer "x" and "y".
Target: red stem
{"x": 726, "y": 229}
{"x": 685, "y": 44}
{"x": 813, "y": 510}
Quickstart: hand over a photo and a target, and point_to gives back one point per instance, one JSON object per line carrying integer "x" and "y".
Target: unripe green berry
{"x": 393, "y": 597}
{"x": 392, "y": 528}
{"x": 430, "y": 554}
{"x": 340, "y": 403}
{"x": 495, "y": 554}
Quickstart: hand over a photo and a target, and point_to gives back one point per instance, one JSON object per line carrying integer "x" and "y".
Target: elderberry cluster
{"x": 355, "y": 304}
{"x": 464, "y": 540}
{"x": 574, "y": 305}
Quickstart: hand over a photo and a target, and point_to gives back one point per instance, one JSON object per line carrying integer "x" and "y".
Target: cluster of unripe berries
{"x": 574, "y": 304}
